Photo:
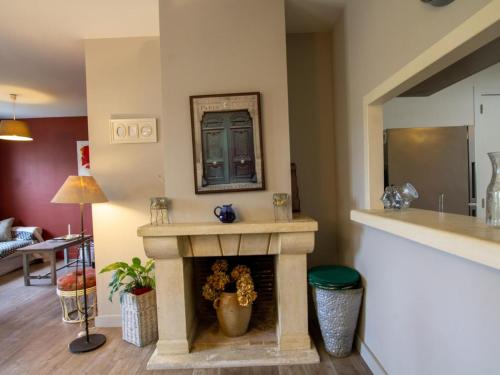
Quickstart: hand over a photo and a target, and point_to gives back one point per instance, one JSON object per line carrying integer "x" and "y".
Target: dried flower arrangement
{"x": 239, "y": 279}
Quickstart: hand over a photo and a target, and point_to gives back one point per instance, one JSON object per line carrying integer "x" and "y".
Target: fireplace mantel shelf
{"x": 217, "y": 239}
{"x": 299, "y": 224}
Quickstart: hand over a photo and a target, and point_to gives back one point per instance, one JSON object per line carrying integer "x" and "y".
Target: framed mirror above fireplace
{"x": 227, "y": 142}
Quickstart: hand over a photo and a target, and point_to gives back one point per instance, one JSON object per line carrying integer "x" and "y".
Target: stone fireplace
{"x": 188, "y": 334}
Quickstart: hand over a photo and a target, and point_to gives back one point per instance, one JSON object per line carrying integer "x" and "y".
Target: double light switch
{"x": 138, "y": 130}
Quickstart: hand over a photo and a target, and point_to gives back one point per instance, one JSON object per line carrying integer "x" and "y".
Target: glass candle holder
{"x": 158, "y": 211}
{"x": 281, "y": 209}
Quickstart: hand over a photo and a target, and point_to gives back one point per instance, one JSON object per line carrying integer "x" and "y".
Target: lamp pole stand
{"x": 88, "y": 342}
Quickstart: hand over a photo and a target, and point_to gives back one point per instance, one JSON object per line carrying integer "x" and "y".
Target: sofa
{"x": 10, "y": 258}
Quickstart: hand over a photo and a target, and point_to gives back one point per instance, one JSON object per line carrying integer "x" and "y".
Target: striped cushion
{"x": 10, "y": 247}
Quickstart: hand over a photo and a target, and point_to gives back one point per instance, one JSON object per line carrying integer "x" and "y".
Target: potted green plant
{"x": 135, "y": 283}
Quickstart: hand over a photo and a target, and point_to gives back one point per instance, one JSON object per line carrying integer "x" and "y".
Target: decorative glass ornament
{"x": 158, "y": 211}
{"x": 281, "y": 209}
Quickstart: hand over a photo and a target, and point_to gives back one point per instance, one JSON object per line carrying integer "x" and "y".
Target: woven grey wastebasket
{"x": 139, "y": 319}
{"x": 337, "y": 299}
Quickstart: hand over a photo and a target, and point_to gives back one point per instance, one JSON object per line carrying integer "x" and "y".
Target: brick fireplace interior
{"x": 262, "y": 327}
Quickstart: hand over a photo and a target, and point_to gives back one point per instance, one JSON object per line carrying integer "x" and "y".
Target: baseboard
{"x": 370, "y": 359}
{"x": 108, "y": 320}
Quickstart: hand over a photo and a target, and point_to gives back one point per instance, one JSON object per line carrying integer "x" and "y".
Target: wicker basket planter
{"x": 139, "y": 319}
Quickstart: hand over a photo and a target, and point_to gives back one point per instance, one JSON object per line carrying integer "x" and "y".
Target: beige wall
{"x": 194, "y": 55}
{"x": 122, "y": 81}
{"x": 223, "y": 46}
{"x": 310, "y": 99}
{"x": 424, "y": 312}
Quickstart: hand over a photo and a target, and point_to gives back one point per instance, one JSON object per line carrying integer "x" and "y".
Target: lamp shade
{"x": 15, "y": 130}
{"x": 79, "y": 189}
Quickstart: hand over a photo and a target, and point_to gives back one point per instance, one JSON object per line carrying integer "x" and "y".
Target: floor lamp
{"x": 82, "y": 190}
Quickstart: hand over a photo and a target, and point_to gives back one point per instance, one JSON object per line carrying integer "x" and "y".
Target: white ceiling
{"x": 41, "y": 45}
{"x": 41, "y": 49}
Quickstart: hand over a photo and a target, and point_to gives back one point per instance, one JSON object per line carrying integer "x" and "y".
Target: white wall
{"x": 310, "y": 98}
{"x": 424, "y": 312}
{"x": 453, "y": 106}
{"x": 428, "y": 312}
{"x": 216, "y": 47}
{"x": 122, "y": 81}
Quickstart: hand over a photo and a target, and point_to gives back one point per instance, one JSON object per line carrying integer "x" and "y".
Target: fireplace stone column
{"x": 174, "y": 296}
{"x": 291, "y": 288}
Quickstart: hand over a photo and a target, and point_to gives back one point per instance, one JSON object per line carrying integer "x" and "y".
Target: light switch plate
{"x": 136, "y": 130}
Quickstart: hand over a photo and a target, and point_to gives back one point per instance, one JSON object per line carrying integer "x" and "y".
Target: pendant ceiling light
{"x": 14, "y": 130}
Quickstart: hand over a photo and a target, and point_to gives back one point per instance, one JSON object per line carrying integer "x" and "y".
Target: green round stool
{"x": 337, "y": 295}
{"x": 334, "y": 277}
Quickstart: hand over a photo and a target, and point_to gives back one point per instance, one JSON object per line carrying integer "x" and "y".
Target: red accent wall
{"x": 32, "y": 172}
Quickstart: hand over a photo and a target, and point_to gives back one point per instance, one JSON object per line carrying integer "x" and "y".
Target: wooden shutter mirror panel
{"x": 226, "y": 139}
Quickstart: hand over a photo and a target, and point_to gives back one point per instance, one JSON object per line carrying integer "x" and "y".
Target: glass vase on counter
{"x": 493, "y": 192}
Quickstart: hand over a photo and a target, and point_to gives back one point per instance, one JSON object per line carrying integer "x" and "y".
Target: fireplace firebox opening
{"x": 262, "y": 327}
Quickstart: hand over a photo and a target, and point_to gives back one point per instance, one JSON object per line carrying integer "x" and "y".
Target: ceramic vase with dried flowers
{"x": 232, "y": 295}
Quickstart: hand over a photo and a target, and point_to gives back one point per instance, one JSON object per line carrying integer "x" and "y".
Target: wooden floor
{"x": 34, "y": 340}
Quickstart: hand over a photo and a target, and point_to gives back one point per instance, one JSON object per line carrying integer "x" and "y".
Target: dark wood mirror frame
{"x": 226, "y": 131}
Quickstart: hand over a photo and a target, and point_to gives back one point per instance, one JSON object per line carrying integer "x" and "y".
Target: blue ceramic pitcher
{"x": 225, "y": 213}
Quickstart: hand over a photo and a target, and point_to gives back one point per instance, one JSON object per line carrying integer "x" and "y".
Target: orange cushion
{"x": 69, "y": 281}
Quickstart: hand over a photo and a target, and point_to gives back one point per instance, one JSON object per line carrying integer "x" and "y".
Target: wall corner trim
{"x": 370, "y": 359}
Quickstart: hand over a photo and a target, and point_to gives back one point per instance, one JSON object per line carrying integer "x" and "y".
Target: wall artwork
{"x": 227, "y": 143}
{"x": 83, "y": 158}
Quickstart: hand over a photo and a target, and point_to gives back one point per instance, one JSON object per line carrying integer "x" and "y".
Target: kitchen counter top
{"x": 463, "y": 236}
